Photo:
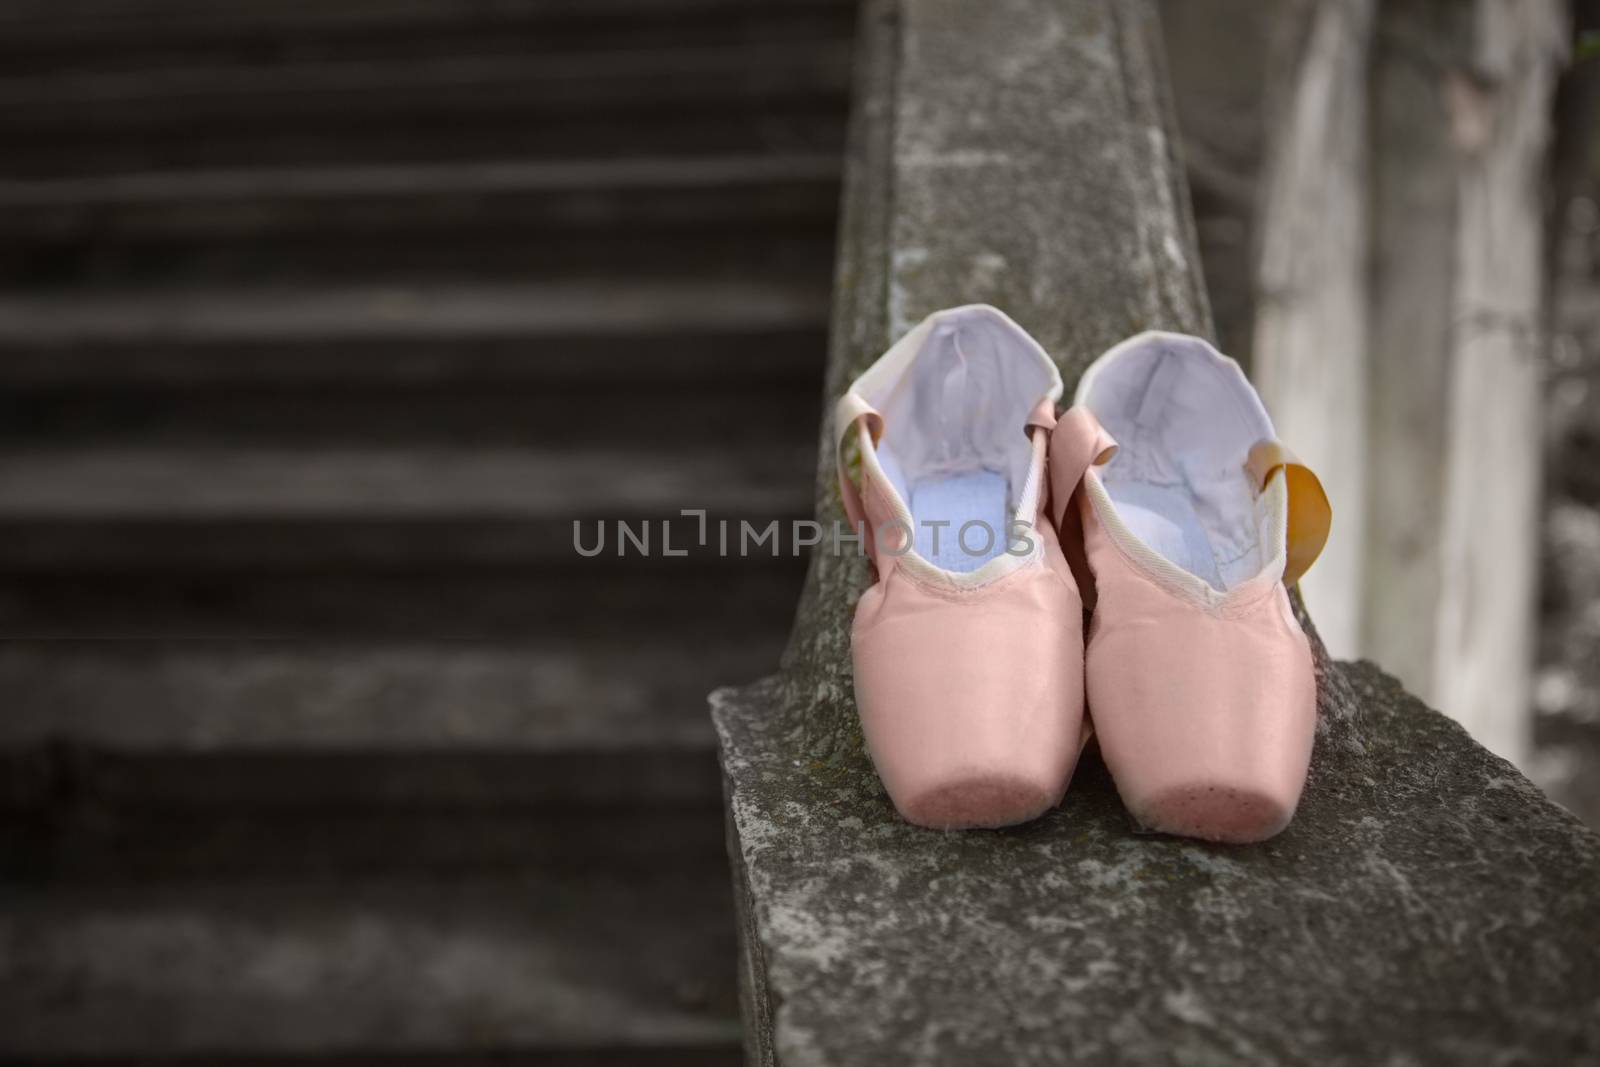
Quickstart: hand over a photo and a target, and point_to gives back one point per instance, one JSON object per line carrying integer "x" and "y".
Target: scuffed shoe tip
{"x": 1217, "y": 812}
{"x": 980, "y": 802}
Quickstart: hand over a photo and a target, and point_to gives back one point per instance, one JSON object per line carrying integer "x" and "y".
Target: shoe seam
{"x": 959, "y": 594}
{"x": 1224, "y": 609}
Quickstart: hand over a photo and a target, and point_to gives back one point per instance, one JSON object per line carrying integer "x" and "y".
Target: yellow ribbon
{"x": 1310, "y": 514}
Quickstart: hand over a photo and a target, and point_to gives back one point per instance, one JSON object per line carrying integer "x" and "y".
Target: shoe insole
{"x": 1165, "y": 519}
{"x": 958, "y": 499}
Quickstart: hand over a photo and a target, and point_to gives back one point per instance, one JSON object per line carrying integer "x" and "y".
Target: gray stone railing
{"x": 1427, "y": 905}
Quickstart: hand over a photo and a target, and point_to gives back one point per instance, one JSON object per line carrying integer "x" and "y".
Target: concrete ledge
{"x": 1427, "y": 905}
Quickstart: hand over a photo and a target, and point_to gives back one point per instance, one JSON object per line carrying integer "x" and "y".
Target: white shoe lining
{"x": 955, "y": 445}
{"x": 1185, "y": 419}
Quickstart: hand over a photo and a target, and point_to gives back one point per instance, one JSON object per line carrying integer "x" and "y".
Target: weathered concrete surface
{"x": 1428, "y": 905}
{"x": 370, "y": 970}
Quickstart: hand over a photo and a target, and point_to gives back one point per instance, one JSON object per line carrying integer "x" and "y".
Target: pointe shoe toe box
{"x": 967, "y": 703}
{"x": 1210, "y": 736}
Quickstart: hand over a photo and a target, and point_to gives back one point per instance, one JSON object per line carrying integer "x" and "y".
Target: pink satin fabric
{"x": 1205, "y": 714}
{"x": 971, "y": 698}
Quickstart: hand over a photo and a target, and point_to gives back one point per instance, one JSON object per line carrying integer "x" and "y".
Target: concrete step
{"x": 210, "y": 89}
{"x": 335, "y": 110}
{"x": 626, "y": 968}
{"x": 747, "y": 124}
{"x": 326, "y": 91}
{"x": 140, "y": 759}
{"x": 576, "y": 195}
{"x": 313, "y": 726}
{"x": 366, "y": 600}
{"x": 88, "y": 841}
{"x": 550, "y": 335}
{"x": 95, "y": 485}
{"x": 178, "y": 509}
{"x": 143, "y": 33}
{"x": 695, "y": 416}
{"x": 767, "y": 216}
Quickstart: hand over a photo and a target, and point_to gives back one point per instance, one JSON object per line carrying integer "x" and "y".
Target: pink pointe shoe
{"x": 1199, "y": 677}
{"x": 968, "y": 648}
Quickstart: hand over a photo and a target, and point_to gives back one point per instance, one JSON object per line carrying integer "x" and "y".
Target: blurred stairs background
{"x": 320, "y": 323}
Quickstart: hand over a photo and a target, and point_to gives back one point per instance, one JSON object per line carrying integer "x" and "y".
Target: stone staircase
{"x": 320, "y": 323}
